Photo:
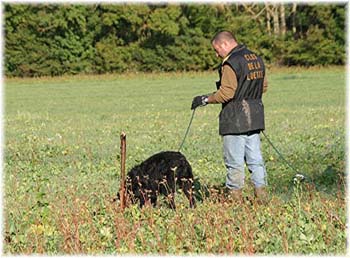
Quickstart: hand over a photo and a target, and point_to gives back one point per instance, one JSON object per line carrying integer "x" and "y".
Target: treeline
{"x": 57, "y": 39}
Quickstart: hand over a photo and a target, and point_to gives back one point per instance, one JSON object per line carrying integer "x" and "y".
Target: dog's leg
{"x": 142, "y": 202}
{"x": 154, "y": 200}
{"x": 186, "y": 186}
{"x": 171, "y": 201}
{"x": 144, "y": 197}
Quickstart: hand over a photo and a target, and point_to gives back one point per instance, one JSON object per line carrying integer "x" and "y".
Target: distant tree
{"x": 56, "y": 39}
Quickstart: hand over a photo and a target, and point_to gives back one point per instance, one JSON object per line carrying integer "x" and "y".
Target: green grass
{"x": 62, "y": 166}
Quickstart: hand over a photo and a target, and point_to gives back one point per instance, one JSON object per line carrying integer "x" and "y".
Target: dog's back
{"x": 164, "y": 162}
{"x": 158, "y": 175}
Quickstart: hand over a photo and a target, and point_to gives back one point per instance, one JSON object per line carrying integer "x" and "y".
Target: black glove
{"x": 199, "y": 101}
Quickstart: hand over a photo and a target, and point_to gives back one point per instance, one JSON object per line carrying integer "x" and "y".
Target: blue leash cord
{"x": 187, "y": 130}
{"x": 267, "y": 138}
{"x": 298, "y": 175}
{"x": 281, "y": 156}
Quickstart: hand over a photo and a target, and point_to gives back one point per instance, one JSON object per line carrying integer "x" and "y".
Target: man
{"x": 239, "y": 89}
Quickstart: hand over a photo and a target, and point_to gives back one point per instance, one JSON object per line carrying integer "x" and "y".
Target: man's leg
{"x": 256, "y": 166}
{"x": 255, "y": 161}
{"x": 233, "y": 147}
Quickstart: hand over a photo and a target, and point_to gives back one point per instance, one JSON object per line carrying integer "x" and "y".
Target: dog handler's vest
{"x": 244, "y": 114}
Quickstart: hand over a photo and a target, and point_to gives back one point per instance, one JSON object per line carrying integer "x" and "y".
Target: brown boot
{"x": 236, "y": 196}
{"x": 261, "y": 195}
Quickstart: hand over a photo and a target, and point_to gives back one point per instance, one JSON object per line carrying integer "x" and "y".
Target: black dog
{"x": 160, "y": 174}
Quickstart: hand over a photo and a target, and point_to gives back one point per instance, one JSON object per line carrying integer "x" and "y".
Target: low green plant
{"x": 62, "y": 167}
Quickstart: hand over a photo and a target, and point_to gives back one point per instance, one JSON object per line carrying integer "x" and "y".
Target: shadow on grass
{"x": 331, "y": 182}
{"x": 201, "y": 191}
{"x": 216, "y": 192}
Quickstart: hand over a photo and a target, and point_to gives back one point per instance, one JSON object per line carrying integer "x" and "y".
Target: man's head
{"x": 223, "y": 42}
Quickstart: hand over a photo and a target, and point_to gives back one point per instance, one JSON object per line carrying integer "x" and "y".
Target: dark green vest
{"x": 244, "y": 114}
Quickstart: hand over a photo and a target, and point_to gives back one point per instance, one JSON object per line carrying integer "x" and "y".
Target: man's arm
{"x": 265, "y": 84}
{"x": 226, "y": 91}
{"x": 228, "y": 86}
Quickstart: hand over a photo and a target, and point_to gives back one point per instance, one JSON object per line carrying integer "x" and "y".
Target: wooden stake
{"x": 122, "y": 170}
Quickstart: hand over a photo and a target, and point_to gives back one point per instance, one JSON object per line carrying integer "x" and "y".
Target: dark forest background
{"x": 59, "y": 39}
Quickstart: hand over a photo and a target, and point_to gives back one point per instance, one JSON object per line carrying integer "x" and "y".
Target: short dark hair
{"x": 223, "y": 36}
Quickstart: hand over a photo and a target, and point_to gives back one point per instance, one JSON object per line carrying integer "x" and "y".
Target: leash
{"x": 187, "y": 130}
{"x": 298, "y": 175}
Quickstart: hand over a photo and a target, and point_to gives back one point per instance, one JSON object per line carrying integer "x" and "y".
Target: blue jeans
{"x": 240, "y": 149}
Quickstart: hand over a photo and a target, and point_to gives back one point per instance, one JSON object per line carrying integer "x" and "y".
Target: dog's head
{"x": 133, "y": 184}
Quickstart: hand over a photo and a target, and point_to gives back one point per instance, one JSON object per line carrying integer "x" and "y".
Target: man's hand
{"x": 199, "y": 101}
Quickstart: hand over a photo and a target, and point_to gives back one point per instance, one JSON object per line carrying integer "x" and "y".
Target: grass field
{"x": 61, "y": 166}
